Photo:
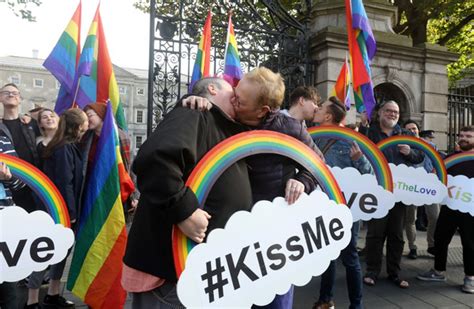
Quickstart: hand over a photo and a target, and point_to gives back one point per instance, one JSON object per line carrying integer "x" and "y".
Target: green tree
{"x": 445, "y": 22}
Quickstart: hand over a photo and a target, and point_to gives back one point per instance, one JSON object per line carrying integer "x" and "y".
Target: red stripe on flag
{"x": 207, "y": 44}
{"x": 104, "y": 66}
{"x": 359, "y": 72}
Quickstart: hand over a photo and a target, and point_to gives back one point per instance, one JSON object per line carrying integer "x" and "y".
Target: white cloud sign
{"x": 262, "y": 252}
{"x": 364, "y": 196}
{"x": 460, "y": 194}
{"x": 414, "y": 186}
{"x": 30, "y": 242}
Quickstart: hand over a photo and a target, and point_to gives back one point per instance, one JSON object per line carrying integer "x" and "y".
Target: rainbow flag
{"x": 96, "y": 267}
{"x": 342, "y": 88}
{"x": 362, "y": 48}
{"x": 232, "y": 70}
{"x": 63, "y": 59}
{"x": 97, "y": 81}
{"x": 203, "y": 57}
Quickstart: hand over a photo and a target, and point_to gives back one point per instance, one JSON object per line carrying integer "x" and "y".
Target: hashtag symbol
{"x": 209, "y": 277}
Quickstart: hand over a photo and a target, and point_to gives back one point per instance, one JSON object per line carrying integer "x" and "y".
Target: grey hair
{"x": 200, "y": 87}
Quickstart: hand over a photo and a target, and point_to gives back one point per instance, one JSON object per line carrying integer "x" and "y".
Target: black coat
{"x": 270, "y": 172}
{"x": 162, "y": 166}
{"x": 392, "y": 154}
{"x": 64, "y": 168}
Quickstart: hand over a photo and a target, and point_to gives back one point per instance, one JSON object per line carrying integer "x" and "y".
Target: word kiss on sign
{"x": 254, "y": 258}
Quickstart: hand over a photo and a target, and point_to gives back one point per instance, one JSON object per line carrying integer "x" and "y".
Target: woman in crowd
{"x": 63, "y": 164}
{"x": 48, "y": 124}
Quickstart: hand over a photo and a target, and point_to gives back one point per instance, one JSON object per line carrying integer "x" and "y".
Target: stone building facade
{"x": 39, "y": 88}
{"x": 414, "y": 76}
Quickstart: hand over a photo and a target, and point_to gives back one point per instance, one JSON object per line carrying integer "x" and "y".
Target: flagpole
{"x": 76, "y": 92}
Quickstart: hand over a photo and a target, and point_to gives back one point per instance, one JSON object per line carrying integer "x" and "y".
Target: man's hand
{"x": 355, "y": 153}
{"x": 404, "y": 149}
{"x": 5, "y": 173}
{"x": 195, "y": 226}
{"x": 133, "y": 205}
{"x": 293, "y": 191}
{"x": 26, "y": 119}
{"x": 199, "y": 103}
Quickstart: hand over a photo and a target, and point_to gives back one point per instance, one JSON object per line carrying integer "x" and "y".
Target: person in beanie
{"x": 96, "y": 114}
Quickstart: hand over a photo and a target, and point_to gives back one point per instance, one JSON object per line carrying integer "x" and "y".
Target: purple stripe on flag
{"x": 368, "y": 97}
{"x": 359, "y": 22}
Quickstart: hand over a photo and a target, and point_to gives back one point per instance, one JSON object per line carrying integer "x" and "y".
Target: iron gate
{"x": 460, "y": 112}
{"x": 267, "y": 35}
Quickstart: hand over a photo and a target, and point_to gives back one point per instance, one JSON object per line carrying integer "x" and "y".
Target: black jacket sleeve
{"x": 165, "y": 161}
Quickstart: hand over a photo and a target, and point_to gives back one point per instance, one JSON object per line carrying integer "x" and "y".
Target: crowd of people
{"x": 63, "y": 148}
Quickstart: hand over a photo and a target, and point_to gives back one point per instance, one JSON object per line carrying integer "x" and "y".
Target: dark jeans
{"x": 350, "y": 259}
{"x": 8, "y": 298}
{"x": 284, "y": 301}
{"x": 163, "y": 297}
{"x": 448, "y": 222}
{"x": 389, "y": 227}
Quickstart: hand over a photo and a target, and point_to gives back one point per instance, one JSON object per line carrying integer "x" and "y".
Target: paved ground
{"x": 385, "y": 295}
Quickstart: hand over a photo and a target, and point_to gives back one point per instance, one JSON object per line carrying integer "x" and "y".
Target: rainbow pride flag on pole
{"x": 342, "y": 88}
{"x": 63, "y": 59}
{"x": 96, "y": 267}
{"x": 97, "y": 83}
{"x": 232, "y": 70}
{"x": 203, "y": 57}
{"x": 362, "y": 48}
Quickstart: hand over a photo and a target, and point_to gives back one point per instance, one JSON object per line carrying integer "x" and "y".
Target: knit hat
{"x": 98, "y": 107}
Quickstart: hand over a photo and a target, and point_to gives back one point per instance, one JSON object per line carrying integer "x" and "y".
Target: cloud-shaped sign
{"x": 30, "y": 242}
{"x": 364, "y": 196}
{"x": 414, "y": 186}
{"x": 460, "y": 194}
{"x": 261, "y": 253}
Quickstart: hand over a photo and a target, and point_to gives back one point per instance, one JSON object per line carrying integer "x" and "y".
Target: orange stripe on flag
{"x": 104, "y": 285}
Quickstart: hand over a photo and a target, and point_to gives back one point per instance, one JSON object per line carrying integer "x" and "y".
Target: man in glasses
{"x": 23, "y": 136}
{"x": 391, "y": 226}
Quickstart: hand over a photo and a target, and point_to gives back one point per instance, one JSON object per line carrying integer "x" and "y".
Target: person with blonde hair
{"x": 257, "y": 100}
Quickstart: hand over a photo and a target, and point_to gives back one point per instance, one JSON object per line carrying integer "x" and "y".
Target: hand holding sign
{"x": 266, "y": 256}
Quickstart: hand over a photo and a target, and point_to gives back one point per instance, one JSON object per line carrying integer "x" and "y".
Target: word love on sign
{"x": 364, "y": 196}
{"x": 414, "y": 186}
{"x": 30, "y": 242}
{"x": 253, "y": 258}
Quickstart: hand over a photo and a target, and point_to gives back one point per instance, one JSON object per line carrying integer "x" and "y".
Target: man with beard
{"x": 450, "y": 221}
{"x": 391, "y": 226}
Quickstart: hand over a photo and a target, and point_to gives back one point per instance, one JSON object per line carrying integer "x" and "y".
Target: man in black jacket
{"x": 23, "y": 136}
{"x": 391, "y": 226}
{"x": 451, "y": 221}
{"x": 162, "y": 166}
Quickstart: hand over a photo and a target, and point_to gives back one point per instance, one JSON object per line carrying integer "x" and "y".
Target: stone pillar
{"x": 415, "y": 74}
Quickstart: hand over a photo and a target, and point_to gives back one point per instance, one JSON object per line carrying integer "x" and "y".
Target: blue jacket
{"x": 339, "y": 155}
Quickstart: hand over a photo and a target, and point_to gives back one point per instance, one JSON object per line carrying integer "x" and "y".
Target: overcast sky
{"x": 126, "y": 29}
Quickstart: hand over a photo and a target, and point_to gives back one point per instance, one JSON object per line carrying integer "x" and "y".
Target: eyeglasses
{"x": 10, "y": 93}
{"x": 391, "y": 111}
